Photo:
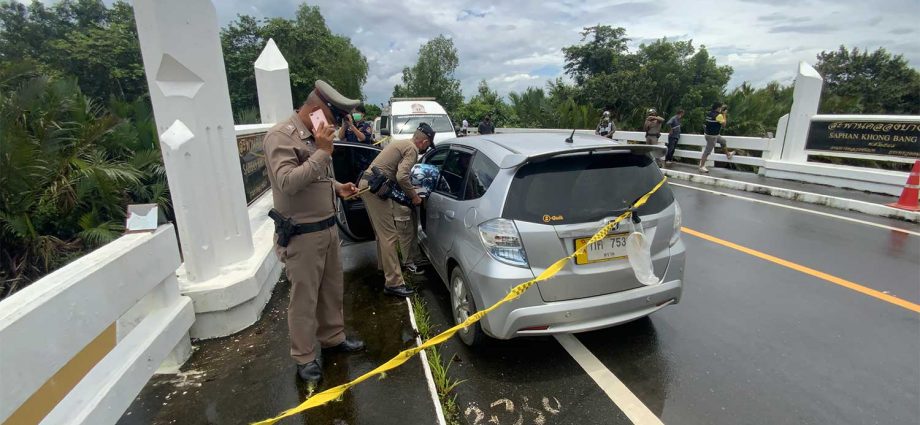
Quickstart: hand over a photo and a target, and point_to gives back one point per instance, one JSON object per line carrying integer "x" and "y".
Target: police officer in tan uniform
{"x": 395, "y": 162}
{"x": 407, "y": 229}
{"x": 299, "y": 159}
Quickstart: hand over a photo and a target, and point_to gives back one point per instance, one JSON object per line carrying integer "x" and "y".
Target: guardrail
{"x": 747, "y": 144}
{"x": 80, "y": 343}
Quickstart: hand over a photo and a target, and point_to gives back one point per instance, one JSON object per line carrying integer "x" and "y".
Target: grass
{"x": 440, "y": 369}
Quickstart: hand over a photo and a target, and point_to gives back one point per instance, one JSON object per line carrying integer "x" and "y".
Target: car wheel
{"x": 462, "y": 307}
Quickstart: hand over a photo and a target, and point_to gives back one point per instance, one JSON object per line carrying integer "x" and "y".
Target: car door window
{"x": 436, "y": 157}
{"x": 482, "y": 173}
{"x": 453, "y": 172}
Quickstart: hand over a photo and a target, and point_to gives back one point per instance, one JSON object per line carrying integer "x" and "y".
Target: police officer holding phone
{"x": 298, "y": 154}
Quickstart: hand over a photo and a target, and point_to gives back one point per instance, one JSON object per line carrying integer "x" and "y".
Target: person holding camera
{"x": 298, "y": 153}
{"x": 394, "y": 163}
{"x": 716, "y": 119}
{"x": 355, "y": 128}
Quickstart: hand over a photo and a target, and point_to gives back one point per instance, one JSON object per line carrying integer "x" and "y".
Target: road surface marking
{"x": 809, "y": 271}
{"x": 612, "y": 386}
{"x": 840, "y": 217}
{"x": 423, "y": 356}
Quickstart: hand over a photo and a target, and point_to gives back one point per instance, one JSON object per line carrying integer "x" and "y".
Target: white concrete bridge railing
{"x": 749, "y": 144}
{"x": 79, "y": 344}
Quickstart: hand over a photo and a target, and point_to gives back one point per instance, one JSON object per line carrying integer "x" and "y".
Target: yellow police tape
{"x": 336, "y": 392}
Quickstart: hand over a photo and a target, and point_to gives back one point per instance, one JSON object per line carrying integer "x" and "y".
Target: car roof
{"x": 533, "y": 143}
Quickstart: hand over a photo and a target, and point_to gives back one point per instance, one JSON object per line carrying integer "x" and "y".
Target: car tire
{"x": 462, "y": 306}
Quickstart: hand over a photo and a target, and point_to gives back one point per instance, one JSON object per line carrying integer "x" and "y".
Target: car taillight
{"x": 678, "y": 223}
{"x": 502, "y": 241}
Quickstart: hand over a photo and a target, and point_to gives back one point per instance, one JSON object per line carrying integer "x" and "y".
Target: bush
{"x": 68, "y": 168}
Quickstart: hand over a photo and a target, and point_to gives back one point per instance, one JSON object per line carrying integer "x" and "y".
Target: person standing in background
{"x": 673, "y": 135}
{"x": 606, "y": 127}
{"x": 465, "y": 127}
{"x": 652, "y": 127}
{"x": 486, "y": 126}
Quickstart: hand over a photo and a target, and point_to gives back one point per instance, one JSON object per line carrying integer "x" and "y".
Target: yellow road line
{"x": 809, "y": 271}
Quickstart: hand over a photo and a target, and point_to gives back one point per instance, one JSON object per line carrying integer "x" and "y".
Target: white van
{"x": 403, "y": 116}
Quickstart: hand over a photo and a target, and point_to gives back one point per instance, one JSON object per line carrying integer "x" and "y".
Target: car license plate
{"x": 610, "y": 248}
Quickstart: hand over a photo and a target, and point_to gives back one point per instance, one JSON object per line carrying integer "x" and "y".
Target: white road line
{"x": 840, "y": 217}
{"x": 428, "y": 377}
{"x": 612, "y": 386}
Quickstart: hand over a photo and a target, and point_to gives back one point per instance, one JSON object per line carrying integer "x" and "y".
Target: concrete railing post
{"x": 180, "y": 45}
{"x": 806, "y": 97}
{"x": 273, "y": 82}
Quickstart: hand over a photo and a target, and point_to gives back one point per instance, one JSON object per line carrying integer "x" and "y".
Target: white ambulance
{"x": 403, "y": 116}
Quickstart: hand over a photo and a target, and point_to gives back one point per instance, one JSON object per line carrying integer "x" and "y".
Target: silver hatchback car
{"x": 507, "y": 206}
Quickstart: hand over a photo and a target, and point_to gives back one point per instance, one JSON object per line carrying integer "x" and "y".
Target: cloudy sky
{"x": 516, "y": 44}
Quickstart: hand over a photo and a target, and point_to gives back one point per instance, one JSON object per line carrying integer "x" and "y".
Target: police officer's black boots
{"x": 312, "y": 372}
{"x": 349, "y": 345}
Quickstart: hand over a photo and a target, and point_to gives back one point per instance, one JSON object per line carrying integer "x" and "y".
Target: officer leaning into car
{"x": 299, "y": 162}
{"x": 395, "y": 164}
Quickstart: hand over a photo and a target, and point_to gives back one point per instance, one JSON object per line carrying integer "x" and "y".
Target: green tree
{"x": 604, "y": 49}
{"x": 866, "y": 82}
{"x": 531, "y": 107}
{"x": 68, "y": 167}
{"x": 373, "y": 111}
{"x": 755, "y": 112}
{"x": 312, "y": 51}
{"x": 663, "y": 74}
{"x": 82, "y": 39}
{"x": 487, "y": 102}
{"x": 433, "y": 75}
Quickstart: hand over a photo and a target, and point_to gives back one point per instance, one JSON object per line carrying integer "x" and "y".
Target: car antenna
{"x": 570, "y": 140}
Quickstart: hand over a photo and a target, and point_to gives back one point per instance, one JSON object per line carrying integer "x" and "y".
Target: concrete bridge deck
{"x": 753, "y": 341}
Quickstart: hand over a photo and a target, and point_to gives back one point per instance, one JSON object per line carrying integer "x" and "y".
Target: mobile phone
{"x": 317, "y": 117}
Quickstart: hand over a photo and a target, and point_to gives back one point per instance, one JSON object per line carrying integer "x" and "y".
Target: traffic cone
{"x": 911, "y": 193}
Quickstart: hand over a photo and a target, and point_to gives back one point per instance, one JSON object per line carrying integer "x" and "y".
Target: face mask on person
{"x": 357, "y": 116}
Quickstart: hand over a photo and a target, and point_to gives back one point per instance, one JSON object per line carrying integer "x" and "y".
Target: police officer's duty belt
{"x": 286, "y": 229}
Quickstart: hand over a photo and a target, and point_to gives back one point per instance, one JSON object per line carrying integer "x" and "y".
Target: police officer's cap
{"x": 339, "y": 104}
{"x": 427, "y": 130}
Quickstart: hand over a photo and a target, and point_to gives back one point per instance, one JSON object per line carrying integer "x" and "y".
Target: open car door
{"x": 348, "y": 161}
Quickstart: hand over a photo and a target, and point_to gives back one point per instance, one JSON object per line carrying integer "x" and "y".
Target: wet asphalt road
{"x": 250, "y": 376}
{"x": 751, "y": 342}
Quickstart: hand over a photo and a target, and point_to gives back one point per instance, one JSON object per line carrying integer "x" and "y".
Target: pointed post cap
{"x": 271, "y": 58}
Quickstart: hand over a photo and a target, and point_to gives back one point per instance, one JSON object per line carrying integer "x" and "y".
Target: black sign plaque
{"x": 889, "y": 138}
{"x": 252, "y": 164}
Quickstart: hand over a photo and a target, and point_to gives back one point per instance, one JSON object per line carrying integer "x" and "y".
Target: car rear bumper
{"x": 590, "y": 313}
{"x": 521, "y": 317}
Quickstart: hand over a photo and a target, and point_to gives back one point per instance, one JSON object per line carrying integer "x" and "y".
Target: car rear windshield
{"x": 584, "y": 187}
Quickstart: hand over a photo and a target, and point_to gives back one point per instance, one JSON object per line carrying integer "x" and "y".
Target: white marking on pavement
{"x": 637, "y": 412}
{"x": 428, "y": 377}
{"x": 840, "y": 217}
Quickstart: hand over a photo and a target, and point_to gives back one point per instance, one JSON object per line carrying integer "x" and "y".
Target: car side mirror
{"x": 384, "y": 131}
